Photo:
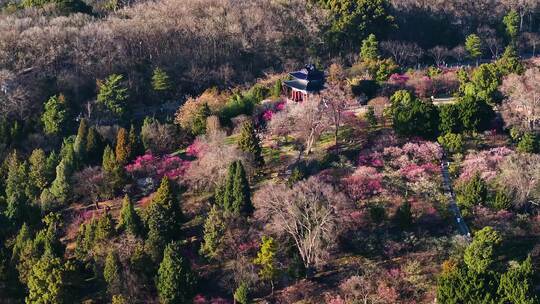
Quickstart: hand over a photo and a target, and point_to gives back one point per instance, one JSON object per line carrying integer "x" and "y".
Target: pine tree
{"x": 227, "y": 197}
{"x": 16, "y": 210}
{"x": 163, "y": 219}
{"x": 46, "y": 282}
{"x": 52, "y": 161}
{"x": 241, "y": 194}
{"x": 104, "y": 228}
{"x": 112, "y": 272}
{"x": 241, "y": 295}
{"x": 266, "y": 259}
{"x": 480, "y": 254}
{"x": 160, "y": 80}
{"x": 113, "y": 94}
{"x": 214, "y": 229}
{"x": 175, "y": 281}
{"x": 94, "y": 146}
{"x": 277, "y": 89}
{"x": 249, "y": 142}
{"x": 55, "y": 115}
{"x": 60, "y": 187}
{"x": 516, "y": 285}
{"x": 113, "y": 170}
{"x": 473, "y": 45}
{"x": 80, "y": 141}
{"x": 199, "y": 122}
{"x": 37, "y": 175}
{"x": 370, "y": 48}
{"x": 129, "y": 219}
{"x": 23, "y": 238}
{"x": 135, "y": 143}
{"x": 123, "y": 148}
{"x": 370, "y": 117}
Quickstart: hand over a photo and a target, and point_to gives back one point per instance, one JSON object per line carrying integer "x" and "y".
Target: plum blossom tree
{"x": 522, "y": 106}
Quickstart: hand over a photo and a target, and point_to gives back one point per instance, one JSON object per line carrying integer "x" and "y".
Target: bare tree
{"x": 459, "y": 53}
{"x": 308, "y": 213}
{"x": 336, "y": 100}
{"x": 491, "y": 40}
{"x": 439, "y": 54}
{"x": 403, "y": 52}
{"x": 522, "y": 105}
{"x": 520, "y": 175}
{"x": 532, "y": 40}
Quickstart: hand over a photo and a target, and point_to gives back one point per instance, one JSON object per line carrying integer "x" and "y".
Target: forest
{"x": 270, "y": 151}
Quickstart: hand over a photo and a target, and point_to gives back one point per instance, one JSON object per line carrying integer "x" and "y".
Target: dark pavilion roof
{"x": 307, "y": 79}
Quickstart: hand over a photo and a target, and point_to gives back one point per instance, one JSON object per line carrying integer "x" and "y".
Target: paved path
{"x": 447, "y": 185}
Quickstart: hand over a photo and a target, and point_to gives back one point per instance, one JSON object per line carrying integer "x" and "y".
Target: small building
{"x": 304, "y": 83}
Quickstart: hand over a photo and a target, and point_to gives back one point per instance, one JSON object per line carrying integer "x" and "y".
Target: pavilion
{"x": 304, "y": 83}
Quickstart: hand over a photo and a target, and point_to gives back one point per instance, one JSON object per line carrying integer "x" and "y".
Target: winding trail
{"x": 449, "y": 191}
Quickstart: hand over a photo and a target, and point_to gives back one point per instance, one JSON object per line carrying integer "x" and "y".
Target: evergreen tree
{"x": 113, "y": 94}
{"x": 47, "y": 281}
{"x": 480, "y": 254}
{"x": 104, "y": 228}
{"x": 24, "y": 237}
{"x": 249, "y": 142}
{"x": 370, "y": 117}
{"x": 175, "y": 281}
{"x": 241, "y": 202}
{"x": 403, "y": 216}
{"x": 502, "y": 201}
{"x": 214, "y": 230}
{"x": 277, "y": 89}
{"x": 241, "y": 295}
{"x": 52, "y": 161}
{"x": 449, "y": 119}
{"x": 472, "y": 193}
{"x": 129, "y": 219}
{"x": 79, "y": 147}
{"x": 123, "y": 147}
{"x": 160, "y": 80}
{"x": 163, "y": 219}
{"x": 17, "y": 202}
{"x": 94, "y": 146}
{"x": 473, "y": 45}
{"x": 199, "y": 121}
{"x": 114, "y": 172}
{"x": 510, "y": 62}
{"x": 511, "y": 23}
{"x": 370, "y": 48}
{"x": 55, "y": 115}
{"x": 528, "y": 143}
{"x": 37, "y": 175}
{"x": 60, "y": 187}
{"x": 516, "y": 285}
{"x": 112, "y": 272}
{"x": 135, "y": 143}
{"x": 266, "y": 259}
{"x": 225, "y": 197}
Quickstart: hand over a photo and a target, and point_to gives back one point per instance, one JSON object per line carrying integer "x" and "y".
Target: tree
{"x": 307, "y": 213}
{"x": 123, "y": 147}
{"x": 135, "y": 143}
{"x": 214, "y": 229}
{"x": 129, "y": 218}
{"x": 266, "y": 259}
{"x": 472, "y": 192}
{"x": 520, "y": 175}
{"x": 113, "y": 170}
{"x": 55, "y": 115}
{"x": 474, "y": 115}
{"x": 160, "y": 80}
{"x": 199, "y": 122}
{"x": 516, "y": 285}
{"x": 60, "y": 187}
{"x": 370, "y": 117}
{"x": 522, "y": 105}
{"x": 480, "y": 254}
{"x": 473, "y": 45}
{"x": 112, "y": 272}
{"x": 175, "y": 281}
{"x": 241, "y": 294}
{"x": 485, "y": 81}
{"x": 47, "y": 281}
{"x": 241, "y": 194}
{"x": 81, "y": 141}
{"x": 439, "y": 54}
{"x": 335, "y": 100}
{"x": 449, "y": 119}
{"x": 510, "y": 62}
{"x": 413, "y": 117}
{"x": 113, "y": 94}
{"x": 528, "y": 143}
{"x": 163, "y": 219}
{"x": 370, "y": 48}
{"x": 249, "y": 142}
{"x": 403, "y": 216}
{"x": 277, "y": 89}
{"x": 17, "y": 207}
{"x": 94, "y": 146}
{"x": 104, "y": 228}
{"x": 452, "y": 143}
{"x": 38, "y": 174}
{"x": 511, "y": 23}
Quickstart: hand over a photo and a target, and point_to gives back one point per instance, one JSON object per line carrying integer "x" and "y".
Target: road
{"x": 449, "y": 191}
